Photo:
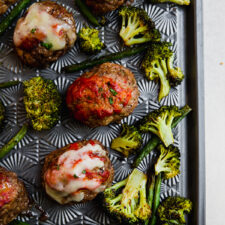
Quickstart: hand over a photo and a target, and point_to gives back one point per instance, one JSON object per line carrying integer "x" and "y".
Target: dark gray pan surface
{"x": 180, "y": 25}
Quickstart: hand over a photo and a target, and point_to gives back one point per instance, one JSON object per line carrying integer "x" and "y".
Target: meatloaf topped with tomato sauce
{"x": 13, "y": 196}
{"x": 105, "y": 94}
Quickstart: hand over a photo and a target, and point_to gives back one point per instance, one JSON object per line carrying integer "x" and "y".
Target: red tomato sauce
{"x": 7, "y": 192}
{"x": 99, "y": 175}
{"x": 32, "y": 40}
{"x": 97, "y": 95}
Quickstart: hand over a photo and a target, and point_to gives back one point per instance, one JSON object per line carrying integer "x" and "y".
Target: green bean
{"x": 12, "y": 15}
{"x": 86, "y": 12}
{"x": 9, "y": 84}
{"x": 154, "y": 141}
{"x": 13, "y": 142}
{"x": 16, "y": 222}
{"x": 151, "y": 145}
{"x": 107, "y": 58}
{"x": 151, "y": 194}
{"x": 156, "y": 199}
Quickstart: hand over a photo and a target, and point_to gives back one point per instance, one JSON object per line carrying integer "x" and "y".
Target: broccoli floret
{"x": 175, "y": 74}
{"x": 126, "y": 200}
{"x": 160, "y": 122}
{"x": 2, "y": 113}
{"x": 90, "y": 41}
{"x": 129, "y": 140}
{"x": 172, "y": 210}
{"x": 168, "y": 162}
{"x": 42, "y": 103}
{"x": 158, "y": 65}
{"x": 137, "y": 27}
{"x": 166, "y": 167}
{"x": 179, "y": 2}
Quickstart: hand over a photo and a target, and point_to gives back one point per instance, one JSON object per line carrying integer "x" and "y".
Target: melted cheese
{"x": 52, "y": 29}
{"x": 63, "y": 197}
{"x": 63, "y": 186}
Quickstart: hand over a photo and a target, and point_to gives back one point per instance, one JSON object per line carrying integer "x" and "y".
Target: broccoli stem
{"x": 156, "y": 199}
{"x": 9, "y": 84}
{"x": 107, "y": 58}
{"x": 150, "y": 195}
{"x": 13, "y": 142}
{"x": 161, "y": 69}
{"x": 117, "y": 199}
{"x": 12, "y": 15}
{"x": 119, "y": 184}
{"x": 16, "y": 222}
{"x": 86, "y": 12}
{"x": 154, "y": 141}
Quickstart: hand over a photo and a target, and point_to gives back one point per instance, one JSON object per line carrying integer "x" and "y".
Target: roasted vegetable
{"x": 13, "y": 142}
{"x": 150, "y": 197}
{"x": 155, "y": 201}
{"x": 126, "y": 200}
{"x": 16, "y": 222}
{"x": 90, "y": 41}
{"x": 42, "y": 103}
{"x": 168, "y": 162}
{"x": 2, "y": 113}
{"x": 6, "y": 22}
{"x": 106, "y": 58}
{"x": 129, "y": 140}
{"x": 154, "y": 141}
{"x": 158, "y": 65}
{"x": 86, "y": 12}
{"x": 166, "y": 167}
{"x": 137, "y": 27}
{"x": 172, "y": 210}
{"x": 178, "y": 2}
{"x": 152, "y": 144}
{"x": 9, "y": 84}
{"x": 159, "y": 122}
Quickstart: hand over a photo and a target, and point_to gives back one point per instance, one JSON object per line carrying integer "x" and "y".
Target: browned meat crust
{"x": 117, "y": 74}
{"x": 19, "y": 203}
{"x": 52, "y": 159}
{"x": 4, "y": 5}
{"x": 40, "y": 56}
{"x": 100, "y": 7}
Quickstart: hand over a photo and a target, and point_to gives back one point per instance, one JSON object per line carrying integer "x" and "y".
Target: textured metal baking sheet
{"x": 179, "y": 25}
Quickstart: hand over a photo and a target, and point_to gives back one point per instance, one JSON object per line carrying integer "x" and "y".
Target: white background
{"x": 214, "y": 48}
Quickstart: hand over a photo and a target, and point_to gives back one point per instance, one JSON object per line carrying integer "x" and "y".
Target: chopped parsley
{"x": 58, "y": 166}
{"x": 100, "y": 89}
{"x": 84, "y": 171}
{"x": 110, "y": 100}
{"x": 33, "y": 30}
{"x": 75, "y": 176}
{"x": 47, "y": 45}
{"x": 113, "y": 91}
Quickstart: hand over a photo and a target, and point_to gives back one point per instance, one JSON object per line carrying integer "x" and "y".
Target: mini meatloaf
{"x": 103, "y": 95}
{"x": 13, "y": 196}
{"x": 77, "y": 172}
{"x": 4, "y": 5}
{"x": 45, "y": 33}
{"x": 101, "y": 7}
